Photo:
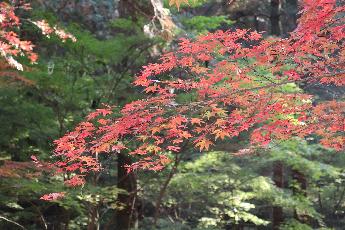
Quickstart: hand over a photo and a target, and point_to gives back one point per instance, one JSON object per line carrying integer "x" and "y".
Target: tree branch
{"x": 13, "y": 222}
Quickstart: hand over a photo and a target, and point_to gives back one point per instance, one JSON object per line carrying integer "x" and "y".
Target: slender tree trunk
{"x": 278, "y": 178}
{"x": 126, "y": 217}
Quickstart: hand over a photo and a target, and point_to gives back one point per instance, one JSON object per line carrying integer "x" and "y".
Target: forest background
{"x": 297, "y": 184}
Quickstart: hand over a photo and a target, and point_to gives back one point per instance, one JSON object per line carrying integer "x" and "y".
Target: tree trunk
{"x": 275, "y": 17}
{"x": 278, "y": 178}
{"x": 300, "y": 179}
{"x": 126, "y": 217}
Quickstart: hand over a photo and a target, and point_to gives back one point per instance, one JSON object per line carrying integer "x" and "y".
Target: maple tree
{"x": 11, "y": 45}
{"x": 235, "y": 82}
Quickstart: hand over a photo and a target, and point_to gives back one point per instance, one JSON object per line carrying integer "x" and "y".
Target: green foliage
{"x": 215, "y": 189}
{"x": 26, "y": 124}
{"x": 226, "y": 192}
{"x": 295, "y": 225}
{"x": 185, "y": 4}
{"x": 203, "y": 23}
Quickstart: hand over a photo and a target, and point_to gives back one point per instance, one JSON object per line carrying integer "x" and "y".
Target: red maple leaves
{"x": 242, "y": 89}
{"x": 11, "y": 45}
{"x": 53, "y": 196}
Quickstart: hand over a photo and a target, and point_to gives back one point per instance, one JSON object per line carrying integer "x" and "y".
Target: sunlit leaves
{"x": 203, "y": 144}
{"x": 242, "y": 90}
{"x": 53, "y": 196}
{"x": 177, "y": 3}
{"x": 11, "y": 45}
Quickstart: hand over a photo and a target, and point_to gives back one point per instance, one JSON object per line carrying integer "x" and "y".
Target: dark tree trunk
{"x": 278, "y": 178}
{"x": 126, "y": 217}
{"x": 278, "y": 171}
{"x": 275, "y": 17}
{"x": 301, "y": 181}
{"x": 288, "y": 18}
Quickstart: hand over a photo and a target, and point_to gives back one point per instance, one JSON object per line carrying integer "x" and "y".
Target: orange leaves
{"x": 261, "y": 137}
{"x": 199, "y": 69}
{"x": 153, "y": 88}
{"x": 75, "y": 181}
{"x": 173, "y": 148}
{"x": 328, "y": 122}
{"x": 99, "y": 112}
{"x": 214, "y": 112}
{"x": 11, "y": 44}
{"x": 337, "y": 79}
{"x": 196, "y": 121}
{"x": 254, "y": 36}
{"x": 153, "y": 149}
{"x": 221, "y": 133}
{"x": 177, "y": 3}
{"x": 53, "y": 196}
{"x": 103, "y": 147}
{"x": 178, "y": 120}
{"x": 187, "y": 61}
{"x": 203, "y": 144}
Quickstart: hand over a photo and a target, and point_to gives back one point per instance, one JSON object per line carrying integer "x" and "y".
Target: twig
{"x": 13, "y": 222}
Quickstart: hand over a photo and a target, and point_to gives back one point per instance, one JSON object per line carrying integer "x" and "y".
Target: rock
{"x": 94, "y": 15}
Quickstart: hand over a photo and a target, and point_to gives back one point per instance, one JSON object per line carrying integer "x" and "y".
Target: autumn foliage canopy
{"x": 11, "y": 44}
{"x": 213, "y": 89}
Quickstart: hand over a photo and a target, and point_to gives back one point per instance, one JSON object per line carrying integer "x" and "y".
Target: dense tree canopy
{"x": 230, "y": 82}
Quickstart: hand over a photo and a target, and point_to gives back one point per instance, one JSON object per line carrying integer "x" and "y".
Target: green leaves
{"x": 204, "y": 23}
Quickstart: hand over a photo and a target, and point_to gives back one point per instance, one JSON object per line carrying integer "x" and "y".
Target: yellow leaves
{"x": 177, "y": 3}
{"x": 153, "y": 148}
{"x": 204, "y": 144}
{"x": 220, "y": 133}
{"x": 208, "y": 115}
{"x": 219, "y": 112}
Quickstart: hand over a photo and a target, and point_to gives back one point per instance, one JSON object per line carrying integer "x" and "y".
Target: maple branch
{"x": 178, "y": 157}
{"x": 128, "y": 66}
